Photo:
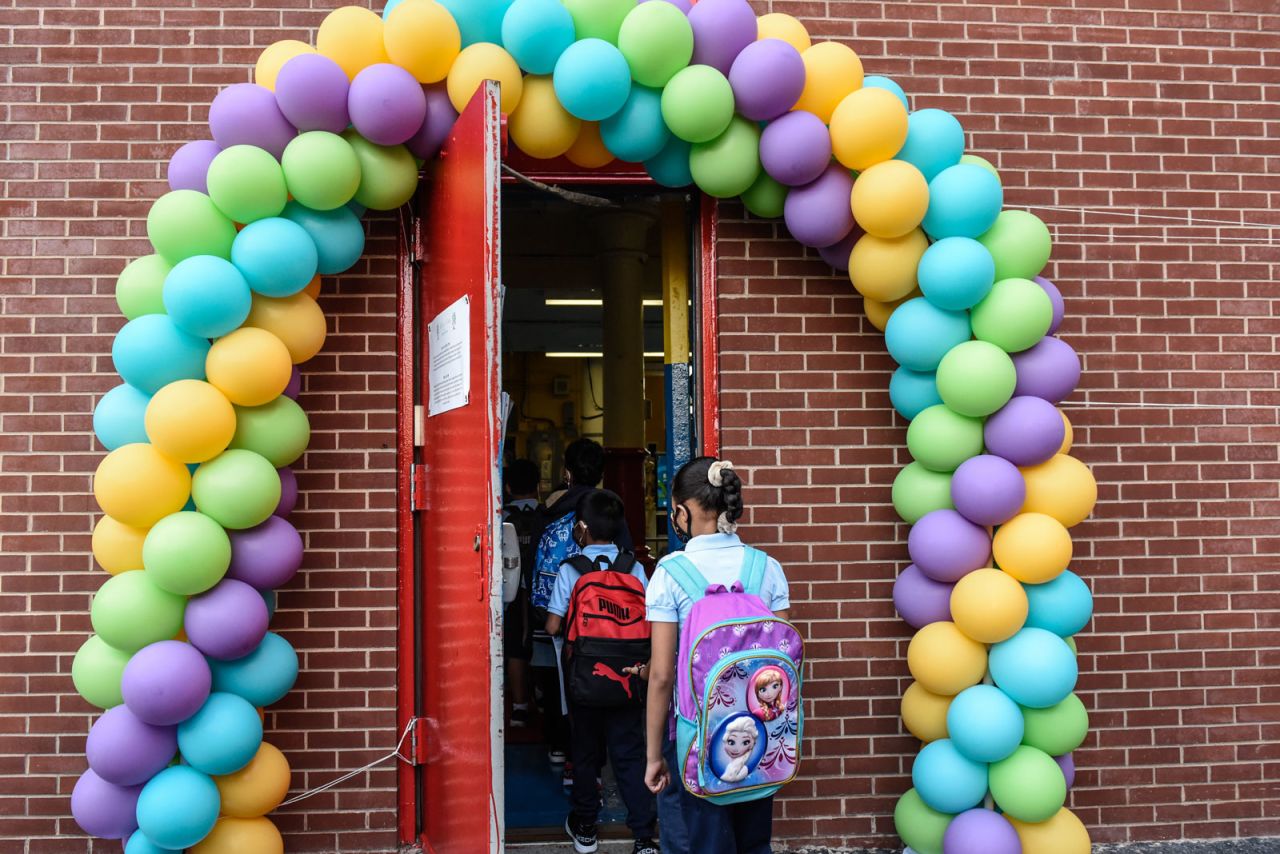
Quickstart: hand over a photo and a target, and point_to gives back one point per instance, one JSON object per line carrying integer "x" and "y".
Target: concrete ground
{"x": 1217, "y": 846}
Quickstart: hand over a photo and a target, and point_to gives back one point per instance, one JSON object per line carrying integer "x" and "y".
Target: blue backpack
{"x": 554, "y": 547}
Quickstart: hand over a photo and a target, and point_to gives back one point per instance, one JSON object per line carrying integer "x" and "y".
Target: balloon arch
{"x": 196, "y": 488}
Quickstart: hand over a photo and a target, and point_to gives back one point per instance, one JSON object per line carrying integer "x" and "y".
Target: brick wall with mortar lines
{"x": 1160, "y": 105}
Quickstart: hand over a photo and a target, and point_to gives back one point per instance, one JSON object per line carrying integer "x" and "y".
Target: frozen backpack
{"x": 605, "y": 632}
{"x": 738, "y": 712}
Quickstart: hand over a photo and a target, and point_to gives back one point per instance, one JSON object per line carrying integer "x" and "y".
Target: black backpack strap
{"x": 624, "y": 563}
{"x": 582, "y": 563}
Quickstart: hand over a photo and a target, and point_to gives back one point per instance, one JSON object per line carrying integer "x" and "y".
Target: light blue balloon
{"x": 1062, "y": 606}
{"x": 207, "y": 296}
{"x": 118, "y": 419}
{"x": 222, "y": 736}
{"x": 478, "y": 20}
{"x": 1035, "y": 668}
{"x": 984, "y": 724}
{"x": 964, "y": 201}
{"x": 946, "y": 780}
{"x": 935, "y": 141}
{"x": 670, "y": 167}
{"x": 637, "y": 133}
{"x": 150, "y": 352}
{"x": 919, "y": 334}
{"x": 536, "y": 32}
{"x": 956, "y": 273}
{"x": 592, "y": 79}
{"x": 875, "y": 81}
{"x": 389, "y": 8}
{"x": 338, "y": 235}
{"x": 140, "y": 844}
{"x": 263, "y": 676}
{"x": 276, "y": 256}
{"x": 178, "y": 807}
{"x": 912, "y": 392}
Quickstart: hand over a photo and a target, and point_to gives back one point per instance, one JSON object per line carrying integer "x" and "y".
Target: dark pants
{"x": 555, "y": 726}
{"x": 745, "y": 828}
{"x": 672, "y": 833}
{"x": 620, "y": 732}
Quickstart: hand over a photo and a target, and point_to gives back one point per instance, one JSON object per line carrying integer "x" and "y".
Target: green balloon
{"x": 976, "y": 378}
{"x": 388, "y": 173}
{"x": 96, "y": 672}
{"x": 975, "y": 160}
{"x": 599, "y": 19}
{"x": 1071, "y": 642}
{"x": 766, "y": 196}
{"x": 729, "y": 164}
{"x": 278, "y": 430}
{"x": 920, "y": 825}
{"x": 186, "y": 553}
{"x": 130, "y": 611}
{"x": 1014, "y": 315}
{"x": 1020, "y": 244}
{"x": 940, "y": 439}
{"x": 917, "y": 491}
{"x": 656, "y": 41}
{"x": 140, "y": 285}
{"x": 1028, "y": 785}
{"x": 321, "y": 170}
{"x": 185, "y": 223}
{"x": 247, "y": 184}
{"x": 237, "y": 488}
{"x": 697, "y": 104}
{"x": 1058, "y": 729}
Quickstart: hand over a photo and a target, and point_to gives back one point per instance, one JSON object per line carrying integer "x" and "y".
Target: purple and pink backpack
{"x": 738, "y": 675}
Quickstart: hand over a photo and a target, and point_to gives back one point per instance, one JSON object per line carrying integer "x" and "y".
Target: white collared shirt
{"x": 719, "y": 558}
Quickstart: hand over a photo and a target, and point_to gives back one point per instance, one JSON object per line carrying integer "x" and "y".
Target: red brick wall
{"x": 1165, "y": 106}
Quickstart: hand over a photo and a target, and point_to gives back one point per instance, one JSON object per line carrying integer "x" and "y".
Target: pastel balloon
{"x": 777, "y": 25}
{"x": 947, "y": 780}
{"x": 767, "y": 78}
{"x": 247, "y": 114}
{"x": 1028, "y": 785}
{"x": 988, "y": 490}
{"x": 657, "y": 41}
{"x": 1058, "y": 729}
{"x": 238, "y": 488}
{"x": 1026, "y": 431}
{"x": 435, "y": 127}
{"x": 1061, "y": 487}
{"x": 924, "y": 714}
{"x": 478, "y": 20}
{"x": 278, "y": 431}
{"x": 636, "y": 132}
{"x": 96, "y": 671}
{"x": 296, "y": 320}
{"x": 1062, "y": 606}
{"x": 955, "y": 273}
{"x": 1020, "y": 244}
{"x": 185, "y": 223}
{"x": 190, "y": 421}
{"x": 884, "y": 270}
{"x": 250, "y": 366}
{"x": 166, "y": 682}
{"x": 222, "y": 736}
{"x": 946, "y": 546}
{"x": 246, "y": 183}
{"x": 117, "y": 547}
{"x": 795, "y": 149}
{"x": 588, "y": 150}
{"x": 186, "y": 553}
{"x": 599, "y": 19}
{"x": 288, "y": 499}
{"x": 536, "y": 32}
{"x": 234, "y": 835}
{"x": 981, "y": 831}
{"x": 189, "y": 165}
{"x": 388, "y": 173}
{"x": 832, "y": 71}
{"x": 311, "y": 91}
{"x": 152, "y": 351}
{"x": 964, "y": 201}
{"x": 138, "y": 485}
{"x": 257, "y": 788}
{"x": 1055, "y": 297}
{"x": 178, "y": 807}
{"x": 321, "y": 170}
{"x": 721, "y": 30}
{"x": 274, "y": 57}
{"x": 1032, "y": 547}
{"x": 352, "y": 36}
{"x": 837, "y": 254}
{"x": 118, "y": 417}
{"x": 126, "y": 751}
{"x": 976, "y": 378}
{"x": 940, "y": 439}
{"x": 1035, "y": 668}
{"x": 1068, "y": 766}
{"x": 729, "y": 164}
{"x": 919, "y": 599}
{"x": 1062, "y": 833}
{"x": 421, "y": 37}
{"x": 697, "y": 103}
{"x": 140, "y": 285}
{"x": 104, "y": 809}
{"x": 919, "y": 825}
{"x": 1049, "y": 370}
{"x": 889, "y": 199}
{"x": 984, "y": 724}
{"x": 206, "y": 296}
{"x": 386, "y": 104}
{"x": 989, "y": 606}
{"x": 868, "y": 126}
{"x": 766, "y": 198}
{"x": 263, "y": 676}
{"x": 1014, "y": 315}
{"x": 918, "y": 491}
{"x": 337, "y": 235}
{"x": 934, "y": 142}
{"x": 818, "y": 213}
{"x": 479, "y": 62}
{"x": 875, "y": 81}
{"x": 276, "y": 256}
{"x": 670, "y": 167}
{"x": 919, "y": 334}
{"x": 944, "y": 660}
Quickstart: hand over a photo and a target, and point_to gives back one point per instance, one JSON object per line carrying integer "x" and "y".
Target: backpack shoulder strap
{"x": 582, "y": 563}
{"x": 624, "y": 563}
{"x": 684, "y": 573}
{"x": 754, "y": 562}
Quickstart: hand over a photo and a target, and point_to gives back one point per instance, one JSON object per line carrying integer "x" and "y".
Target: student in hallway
{"x": 523, "y": 511}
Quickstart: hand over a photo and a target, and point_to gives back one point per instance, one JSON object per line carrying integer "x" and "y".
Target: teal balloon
{"x": 946, "y": 780}
{"x": 912, "y": 392}
{"x": 207, "y": 296}
{"x": 875, "y": 81}
{"x": 150, "y": 352}
{"x": 984, "y": 724}
{"x": 118, "y": 417}
{"x": 964, "y": 201}
{"x": 139, "y": 844}
{"x": 478, "y": 20}
{"x": 276, "y": 256}
{"x": 356, "y": 208}
{"x": 263, "y": 676}
{"x": 935, "y": 140}
{"x": 269, "y": 596}
{"x": 636, "y": 133}
{"x": 956, "y": 273}
{"x": 536, "y": 32}
{"x": 1063, "y": 606}
{"x": 592, "y": 79}
{"x": 919, "y": 334}
{"x": 178, "y": 807}
{"x": 670, "y": 167}
{"x": 222, "y": 737}
{"x": 338, "y": 236}
{"x": 1035, "y": 668}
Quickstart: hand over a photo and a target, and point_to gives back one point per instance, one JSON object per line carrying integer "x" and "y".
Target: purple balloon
{"x": 441, "y": 115}
{"x": 294, "y": 387}
{"x": 947, "y": 547}
{"x": 386, "y": 104}
{"x": 1049, "y": 370}
{"x": 767, "y": 79}
{"x": 312, "y": 93}
{"x": 837, "y": 254}
{"x": 919, "y": 599}
{"x": 288, "y": 492}
{"x": 126, "y": 751}
{"x": 721, "y": 29}
{"x": 266, "y": 556}
{"x": 682, "y": 5}
{"x": 104, "y": 809}
{"x": 795, "y": 148}
{"x": 228, "y": 621}
{"x": 1055, "y": 297}
{"x": 981, "y": 831}
{"x": 988, "y": 490}
{"x": 1026, "y": 431}
{"x": 189, "y": 165}
{"x": 247, "y": 114}
{"x": 1067, "y": 763}
{"x": 166, "y": 682}
{"x": 819, "y": 213}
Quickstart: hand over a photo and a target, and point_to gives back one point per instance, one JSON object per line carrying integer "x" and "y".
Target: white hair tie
{"x": 715, "y": 474}
{"x": 724, "y": 526}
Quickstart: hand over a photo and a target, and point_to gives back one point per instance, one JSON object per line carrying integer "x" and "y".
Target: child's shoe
{"x": 583, "y": 835}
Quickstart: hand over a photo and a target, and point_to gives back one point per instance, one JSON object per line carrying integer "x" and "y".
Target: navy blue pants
{"x": 619, "y": 733}
{"x": 672, "y": 834}
{"x": 745, "y": 828}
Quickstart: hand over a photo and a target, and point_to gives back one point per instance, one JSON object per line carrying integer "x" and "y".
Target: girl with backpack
{"x": 721, "y": 645}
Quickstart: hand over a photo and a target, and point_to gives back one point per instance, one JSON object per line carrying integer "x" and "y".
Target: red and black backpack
{"x": 606, "y": 631}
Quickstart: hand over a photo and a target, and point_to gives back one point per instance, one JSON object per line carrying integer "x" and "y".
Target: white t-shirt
{"x": 719, "y": 558}
{"x": 568, "y": 576}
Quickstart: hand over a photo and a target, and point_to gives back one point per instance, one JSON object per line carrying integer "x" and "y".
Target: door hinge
{"x": 418, "y": 742}
{"x": 418, "y": 487}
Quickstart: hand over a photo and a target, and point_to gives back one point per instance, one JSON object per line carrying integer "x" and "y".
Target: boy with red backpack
{"x": 598, "y": 599}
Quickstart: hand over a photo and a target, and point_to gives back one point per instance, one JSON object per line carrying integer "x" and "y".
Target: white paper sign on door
{"x": 449, "y": 358}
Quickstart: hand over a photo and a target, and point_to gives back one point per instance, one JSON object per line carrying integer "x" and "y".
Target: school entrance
{"x": 538, "y": 303}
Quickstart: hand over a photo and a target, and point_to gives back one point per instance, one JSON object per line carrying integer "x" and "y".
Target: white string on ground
{"x": 395, "y": 754}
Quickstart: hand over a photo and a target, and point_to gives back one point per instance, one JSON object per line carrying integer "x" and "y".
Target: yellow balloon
{"x": 868, "y": 127}
{"x": 251, "y": 366}
{"x": 880, "y": 312}
{"x": 352, "y": 37}
{"x": 889, "y": 199}
{"x": 588, "y": 150}
{"x": 190, "y": 420}
{"x": 924, "y": 713}
{"x": 1061, "y": 487}
{"x": 831, "y": 71}
{"x": 117, "y": 547}
{"x": 241, "y": 836}
{"x": 257, "y": 788}
{"x": 295, "y": 320}
{"x": 139, "y": 486}
{"x": 988, "y": 605}
{"x": 540, "y": 126}
{"x": 480, "y": 62}
{"x": 944, "y": 660}
{"x": 1070, "y": 434}
{"x": 273, "y": 59}
{"x": 1064, "y": 833}
{"x": 884, "y": 269}
{"x": 776, "y": 25}
{"x": 422, "y": 38}
{"x": 1032, "y": 547}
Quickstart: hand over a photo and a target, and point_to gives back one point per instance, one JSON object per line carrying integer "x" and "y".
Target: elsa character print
{"x": 738, "y": 742}
{"x": 767, "y": 685}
